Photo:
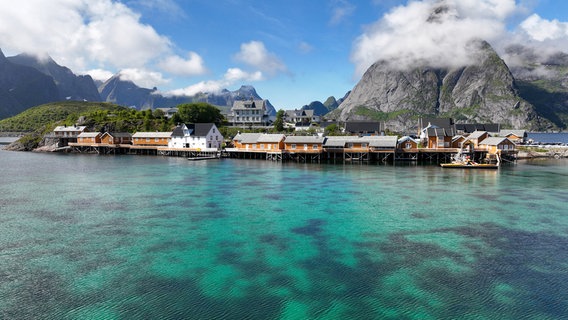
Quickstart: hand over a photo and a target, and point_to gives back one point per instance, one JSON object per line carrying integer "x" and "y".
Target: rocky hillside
{"x": 482, "y": 92}
{"x": 69, "y": 85}
{"x": 22, "y": 87}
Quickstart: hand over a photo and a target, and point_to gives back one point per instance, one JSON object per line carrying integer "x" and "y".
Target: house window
{"x": 315, "y": 147}
{"x": 408, "y": 145}
{"x": 262, "y": 145}
{"x": 293, "y": 146}
{"x": 156, "y": 139}
{"x": 305, "y": 146}
{"x": 147, "y": 139}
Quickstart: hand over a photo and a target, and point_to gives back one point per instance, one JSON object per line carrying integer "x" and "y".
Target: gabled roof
{"x": 247, "y": 137}
{"x": 493, "y": 141}
{"x": 270, "y": 138}
{"x": 118, "y": 134}
{"x": 439, "y": 132}
{"x": 69, "y": 128}
{"x": 406, "y": 138}
{"x": 304, "y": 139}
{"x": 518, "y": 133}
{"x": 477, "y": 134}
{"x": 202, "y": 129}
{"x": 89, "y": 134}
{"x": 458, "y": 137}
{"x": 179, "y": 130}
{"x": 382, "y": 141}
{"x": 249, "y": 105}
{"x": 152, "y": 135}
{"x": 446, "y": 123}
{"x": 337, "y": 141}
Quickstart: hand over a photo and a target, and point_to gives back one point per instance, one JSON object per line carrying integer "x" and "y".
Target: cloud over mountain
{"x": 435, "y": 33}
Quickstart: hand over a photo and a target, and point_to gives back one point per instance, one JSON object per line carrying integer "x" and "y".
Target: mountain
{"x": 329, "y": 105}
{"x": 125, "y": 92}
{"x": 22, "y": 87}
{"x": 482, "y": 92}
{"x": 69, "y": 85}
{"x": 542, "y": 80}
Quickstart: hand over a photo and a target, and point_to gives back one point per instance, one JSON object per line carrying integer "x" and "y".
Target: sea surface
{"x": 135, "y": 237}
{"x": 545, "y": 137}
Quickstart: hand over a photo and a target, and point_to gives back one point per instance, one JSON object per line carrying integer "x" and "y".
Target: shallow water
{"x": 131, "y": 237}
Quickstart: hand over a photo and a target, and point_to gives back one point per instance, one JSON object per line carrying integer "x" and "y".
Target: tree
{"x": 159, "y": 113}
{"x": 279, "y": 122}
{"x": 199, "y": 112}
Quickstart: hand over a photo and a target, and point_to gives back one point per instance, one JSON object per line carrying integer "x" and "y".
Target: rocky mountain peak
{"x": 483, "y": 91}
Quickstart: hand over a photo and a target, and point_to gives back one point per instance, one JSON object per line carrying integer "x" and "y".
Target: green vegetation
{"x": 66, "y": 112}
{"x": 198, "y": 112}
{"x": 379, "y": 115}
{"x": 279, "y": 122}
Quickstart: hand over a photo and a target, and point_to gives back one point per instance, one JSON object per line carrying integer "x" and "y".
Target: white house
{"x": 202, "y": 136}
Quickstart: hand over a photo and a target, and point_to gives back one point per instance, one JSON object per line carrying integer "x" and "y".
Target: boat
{"x": 465, "y": 162}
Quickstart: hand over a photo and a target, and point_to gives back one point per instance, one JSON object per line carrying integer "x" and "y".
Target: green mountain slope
{"x": 37, "y": 117}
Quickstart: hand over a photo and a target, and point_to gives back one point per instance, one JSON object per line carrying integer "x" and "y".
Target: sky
{"x": 293, "y": 52}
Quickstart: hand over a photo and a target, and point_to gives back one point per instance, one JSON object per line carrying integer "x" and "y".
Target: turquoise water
{"x": 132, "y": 237}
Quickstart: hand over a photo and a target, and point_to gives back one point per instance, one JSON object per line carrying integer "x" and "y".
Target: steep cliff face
{"x": 22, "y": 87}
{"x": 69, "y": 85}
{"x": 483, "y": 91}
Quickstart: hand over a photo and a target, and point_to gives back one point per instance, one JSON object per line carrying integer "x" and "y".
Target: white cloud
{"x": 235, "y": 74}
{"x": 193, "y": 65}
{"x": 540, "y": 29}
{"x": 81, "y": 34}
{"x": 254, "y": 54}
{"x": 99, "y": 74}
{"x": 434, "y": 32}
{"x": 143, "y": 78}
{"x": 341, "y": 10}
{"x": 232, "y": 76}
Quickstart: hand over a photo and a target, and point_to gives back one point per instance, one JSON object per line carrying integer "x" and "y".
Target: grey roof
{"x": 88, "y": 134}
{"x": 151, "y": 135}
{"x": 440, "y": 132}
{"x": 178, "y": 131}
{"x": 382, "y": 141}
{"x": 476, "y": 134}
{"x": 518, "y": 133}
{"x": 304, "y": 139}
{"x": 249, "y": 105}
{"x": 337, "y": 141}
{"x": 493, "y": 141}
{"x": 247, "y": 137}
{"x": 270, "y": 137}
{"x": 202, "y": 129}
{"x": 69, "y": 128}
{"x": 119, "y": 134}
{"x": 406, "y": 138}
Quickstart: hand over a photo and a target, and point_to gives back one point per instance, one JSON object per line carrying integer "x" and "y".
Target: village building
{"x": 115, "y": 138}
{"x": 202, "y": 136}
{"x": 458, "y": 141}
{"x": 477, "y": 136}
{"x": 438, "y": 138}
{"x": 67, "y": 134}
{"x": 304, "y": 144}
{"x": 300, "y": 118}
{"x": 89, "y": 137}
{"x": 495, "y": 144}
{"x": 407, "y": 143}
{"x": 517, "y": 136}
{"x": 156, "y": 139}
{"x": 249, "y": 113}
